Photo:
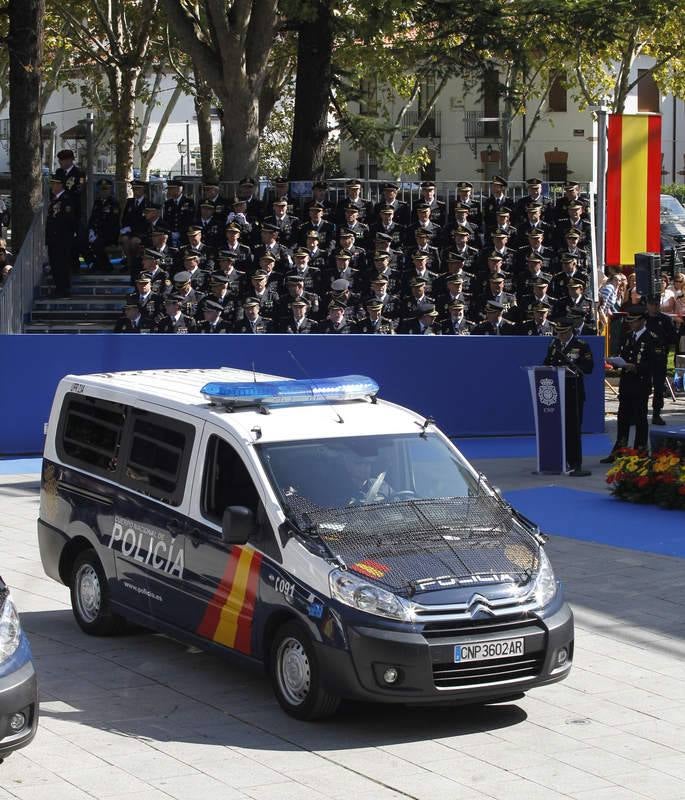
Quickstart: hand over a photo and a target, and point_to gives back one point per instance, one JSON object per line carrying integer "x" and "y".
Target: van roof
{"x": 179, "y": 389}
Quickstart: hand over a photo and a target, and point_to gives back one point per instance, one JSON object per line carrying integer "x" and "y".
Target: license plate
{"x": 485, "y": 651}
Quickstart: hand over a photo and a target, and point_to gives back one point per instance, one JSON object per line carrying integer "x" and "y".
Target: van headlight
{"x": 10, "y": 630}
{"x": 363, "y": 596}
{"x": 545, "y": 587}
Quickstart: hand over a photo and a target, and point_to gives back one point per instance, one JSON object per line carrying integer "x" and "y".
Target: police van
{"x": 340, "y": 540}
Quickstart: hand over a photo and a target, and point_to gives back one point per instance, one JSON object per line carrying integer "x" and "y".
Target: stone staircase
{"x": 94, "y": 306}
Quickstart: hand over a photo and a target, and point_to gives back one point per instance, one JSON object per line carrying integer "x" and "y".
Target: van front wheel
{"x": 90, "y": 597}
{"x": 296, "y": 677}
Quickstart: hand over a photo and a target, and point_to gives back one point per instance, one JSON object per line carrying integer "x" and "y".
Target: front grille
{"x": 447, "y": 630}
{"x": 474, "y": 673}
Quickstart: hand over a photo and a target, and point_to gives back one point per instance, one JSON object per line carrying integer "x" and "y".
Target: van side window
{"x": 158, "y": 453}
{"x": 89, "y": 433}
{"x": 226, "y": 481}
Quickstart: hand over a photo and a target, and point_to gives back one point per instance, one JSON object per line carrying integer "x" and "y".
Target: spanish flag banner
{"x": 633, "y": 187}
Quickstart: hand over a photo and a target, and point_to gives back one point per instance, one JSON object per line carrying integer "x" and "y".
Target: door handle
{"x": 195, "y": 537}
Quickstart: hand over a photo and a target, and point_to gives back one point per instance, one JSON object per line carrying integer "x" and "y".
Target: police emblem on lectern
{"x": 547, "y": 392}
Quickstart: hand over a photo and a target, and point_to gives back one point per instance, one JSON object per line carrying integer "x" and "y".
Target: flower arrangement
{"x": 641, "y": 478}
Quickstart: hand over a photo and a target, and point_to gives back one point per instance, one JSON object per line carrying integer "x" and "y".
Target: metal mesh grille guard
{"x": 404, "y": 545}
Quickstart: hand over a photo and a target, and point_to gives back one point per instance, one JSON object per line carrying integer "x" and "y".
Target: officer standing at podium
{"x": 567, "y": 350}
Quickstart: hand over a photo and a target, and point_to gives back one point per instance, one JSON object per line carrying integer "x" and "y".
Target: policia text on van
{"x": 342, "y": 541}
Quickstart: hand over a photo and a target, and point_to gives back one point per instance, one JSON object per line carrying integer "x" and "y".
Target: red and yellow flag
{"x": 633, "y": 187}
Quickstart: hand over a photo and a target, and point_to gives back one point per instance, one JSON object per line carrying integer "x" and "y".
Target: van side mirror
{"x": 237, "y": 525}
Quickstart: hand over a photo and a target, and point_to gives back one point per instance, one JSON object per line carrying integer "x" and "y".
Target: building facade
{"x": 463, "y": 134}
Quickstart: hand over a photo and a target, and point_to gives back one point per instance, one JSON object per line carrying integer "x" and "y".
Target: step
{"x": 70, "y": 316}
{"x": 67, "y": 327}
{"x": 95, "y": 279}
{"x": 98, "y": 290}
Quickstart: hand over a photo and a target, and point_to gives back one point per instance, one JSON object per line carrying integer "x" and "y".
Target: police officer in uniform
{"x": 494, "y": 324}
{"x": 103, "y": 226}
{"x": 60, "y": 229}
{"x": 212, "y": 320}
{"x": 148, "y": 301}
{"x": 175, "y": 321}
{"x": 253, "y": 321}
{"x": 133, "y": 222}
{"x": 132, "y": 320}
{"x": 337, "y": 321}
{"x": 298, "y": 321}
{"x": 456, "y": 323}
{"x": 496, "y": 201}
{"x": 71, "y": 176}
{"x": 183, "y": 290}
{"x": 178, "y": 211}
{"x": 375, "y": 322}
{"x": 567, "y": 350}
{"x": 663, "y": 327}
{"x": 539, "y": 325}
{"x": 638, "y": 351}
{"x": 424, "y": 323}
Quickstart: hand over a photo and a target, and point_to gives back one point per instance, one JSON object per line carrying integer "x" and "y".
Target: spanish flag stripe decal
{"x": 243, "y": 641}
{"x": 228, "y": 620}
{"x": 211, "y": 617}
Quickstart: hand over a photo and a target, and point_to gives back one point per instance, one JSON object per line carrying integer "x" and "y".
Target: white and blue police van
{"x": 339, "y": 540}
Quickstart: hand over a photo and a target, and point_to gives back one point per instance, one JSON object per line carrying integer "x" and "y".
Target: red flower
{"x": 642, "y": 481}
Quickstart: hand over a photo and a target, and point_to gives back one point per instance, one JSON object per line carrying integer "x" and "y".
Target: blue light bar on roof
{"x": 269, "y": 393}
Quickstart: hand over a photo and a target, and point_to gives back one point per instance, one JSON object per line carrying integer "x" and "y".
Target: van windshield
{"x": 362, "y": 470}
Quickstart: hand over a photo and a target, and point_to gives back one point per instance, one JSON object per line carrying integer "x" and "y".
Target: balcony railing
{"x": 478, "y": 126}
{"x": 430, "y": 129}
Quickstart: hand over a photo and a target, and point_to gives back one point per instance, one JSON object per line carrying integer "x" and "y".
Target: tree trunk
{"x": 124, "y": 124}
{"x": 240, "y": 134}
{"x": 203, "y": 112}
{"x": 25, "y": 43}
{"x": 312, "y": 92}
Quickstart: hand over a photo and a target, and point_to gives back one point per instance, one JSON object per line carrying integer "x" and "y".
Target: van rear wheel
{"x": 296, "y": 676}
{"x": 90, "y": 597}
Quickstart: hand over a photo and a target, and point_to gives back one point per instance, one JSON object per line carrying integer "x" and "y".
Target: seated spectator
{"x": 298, "y": 321}
{"x": 424, "y": 323}
{"x": 494, "y": 324}
{"x": 212, "y": 320}
{"x": 456, "y": 323}
{"x": 132, "y": 319}
{"x": 253, "y": 321}
{"x": 175, "y": 321}
{"x": 375, "y": 322}
{"x": 676, "y": 303}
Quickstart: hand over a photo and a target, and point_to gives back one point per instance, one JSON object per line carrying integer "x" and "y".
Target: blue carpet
{"x": 19, "y": 466}
{"x": 594, "y": 444}
{"x": 600, "y": 518}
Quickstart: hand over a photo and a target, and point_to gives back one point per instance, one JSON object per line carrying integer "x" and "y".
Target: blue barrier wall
{"x": 471, "y": 385}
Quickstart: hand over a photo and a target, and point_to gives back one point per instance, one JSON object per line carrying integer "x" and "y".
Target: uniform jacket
{"x": 184, "y": 324}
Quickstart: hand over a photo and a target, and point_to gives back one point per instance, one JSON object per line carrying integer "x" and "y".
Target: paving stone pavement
{"x": 143, "y": 717}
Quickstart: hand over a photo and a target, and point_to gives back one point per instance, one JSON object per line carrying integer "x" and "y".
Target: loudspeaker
{"x": 648, "y": 274}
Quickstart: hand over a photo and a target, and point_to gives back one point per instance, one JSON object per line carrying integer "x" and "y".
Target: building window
{"x": 368, "y": 97}
{"x": 556, "y": 100}
{"x": 647, "y": 91}
{"x": 491, "y": 104}
{"x": 367, "y": 164}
